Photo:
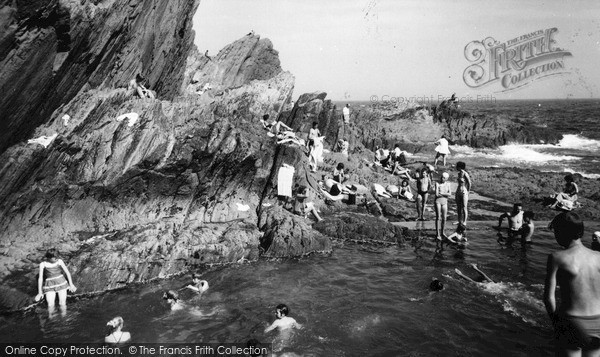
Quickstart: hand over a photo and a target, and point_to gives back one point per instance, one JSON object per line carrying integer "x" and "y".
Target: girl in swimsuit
{"x": 442, "y": 192}
{"x": 52, "y": 280}
{"x": 462, "y": 192}
{"x": 115, "y": 335}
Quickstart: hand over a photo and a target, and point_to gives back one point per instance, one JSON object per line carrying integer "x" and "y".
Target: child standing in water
{"x": 52, "y": 281}
{"x": 442, "y": 192}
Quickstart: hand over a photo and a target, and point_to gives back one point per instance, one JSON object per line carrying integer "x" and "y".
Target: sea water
{"x": 362, "y": 300}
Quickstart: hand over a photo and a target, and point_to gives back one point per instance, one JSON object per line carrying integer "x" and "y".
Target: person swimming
{"x": 436, "y": 285}
{"x": 198, "y": 285}
{"x": 173, "y": 300}
{"x": 481, "y": 279}
{"x": 114, "y": 333}
{"x": 283, "y": 321}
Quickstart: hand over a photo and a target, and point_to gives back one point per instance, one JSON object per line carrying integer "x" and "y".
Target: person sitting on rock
{"x": 114, "y": 334}
{"x": 303, "y": 208}
{"x": 136, "y": 86}
{"x": 569, "y": 194}
{"x": 382, "y": 157}
{"x": 401, "y": 171}
{"x": 405, "y": 191}
{"x": 338, "y": 173}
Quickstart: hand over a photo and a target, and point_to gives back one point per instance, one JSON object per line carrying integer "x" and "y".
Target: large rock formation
{"x": 189, "y": 183}
{"x": 51, "y": 49}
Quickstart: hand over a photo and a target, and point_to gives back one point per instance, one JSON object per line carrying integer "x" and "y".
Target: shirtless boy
{"x": 283, "y": 321}
{"x": 576, "y": 270}
{"x": 515, "y": 221}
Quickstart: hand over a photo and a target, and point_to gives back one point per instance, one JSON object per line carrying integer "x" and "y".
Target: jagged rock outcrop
{"x": 479, "y": 131}
{"x": 180, "y": 187}
{"x": 51, "y": 49}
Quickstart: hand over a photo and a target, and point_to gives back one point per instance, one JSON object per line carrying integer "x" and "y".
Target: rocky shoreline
{"x": 193, "y": 181}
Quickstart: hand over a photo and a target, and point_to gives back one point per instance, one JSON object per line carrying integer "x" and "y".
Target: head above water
{"x": 460, "y": 228}
{"x": 266, "y": 117}
{"x": 567, "y": 227}
{"x": 528, "y": 216}
{"x": 115, "y": 322}
{"x": 282, "y": 310}
{"x": 461, "y": 165}
{"x": 171, "y": 295}
{"x": 436, "y": 285}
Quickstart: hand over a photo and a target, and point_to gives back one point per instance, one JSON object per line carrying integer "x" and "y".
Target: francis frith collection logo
{"x": 514, "y": 63}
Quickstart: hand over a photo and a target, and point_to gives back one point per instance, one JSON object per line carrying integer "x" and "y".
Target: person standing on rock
{"x": 52, "y": 281}
{"x": 423, "y": 186}
{"x": 346, "y": 112}
{"x": 442, "y": 192}
{"x": 441, "y": 150}
{"x": 462, "y": 192}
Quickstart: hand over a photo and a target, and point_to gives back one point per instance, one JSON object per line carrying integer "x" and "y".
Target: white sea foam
{"x": 573, "y": 141}
{"x": 511, "y": 153}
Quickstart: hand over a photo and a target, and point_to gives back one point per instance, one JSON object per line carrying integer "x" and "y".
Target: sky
{"x": 395, "y": 50}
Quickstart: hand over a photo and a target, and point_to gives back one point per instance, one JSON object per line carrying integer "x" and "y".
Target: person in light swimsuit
{"x": 442, "y": 192}
{"x": 462, "y": 192}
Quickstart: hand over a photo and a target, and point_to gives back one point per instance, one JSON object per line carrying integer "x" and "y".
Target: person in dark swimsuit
{"x": 423, "y": 187}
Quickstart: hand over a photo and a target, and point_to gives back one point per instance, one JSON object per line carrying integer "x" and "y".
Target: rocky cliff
{"x": 189, "y": 181}
{"x": 52, "y": 49}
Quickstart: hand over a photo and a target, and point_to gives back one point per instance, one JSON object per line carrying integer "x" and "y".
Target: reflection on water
{"x": 355, "y": 302}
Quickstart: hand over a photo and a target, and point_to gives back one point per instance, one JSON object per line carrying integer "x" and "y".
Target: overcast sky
{"x": 357, "y": 49}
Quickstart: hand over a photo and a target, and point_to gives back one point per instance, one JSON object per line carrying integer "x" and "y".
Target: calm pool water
{"x": 363, "y": 300}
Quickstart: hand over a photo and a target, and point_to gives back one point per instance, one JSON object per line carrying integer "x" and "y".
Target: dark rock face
{"x": 481, "y": 131}
{"x": 51, "y": 49}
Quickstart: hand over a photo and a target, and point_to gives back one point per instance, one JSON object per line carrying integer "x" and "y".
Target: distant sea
{"x": 577, "y": 119}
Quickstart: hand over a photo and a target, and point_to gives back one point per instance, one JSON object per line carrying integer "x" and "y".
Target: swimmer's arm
{"x": 273, "y": 326}
{"x": 192, "y": 287}
{"x": 468, "y": 182}
{"x": 550, "y": 287}
{"x": 505, "y": 214}
{"x": 464, "y": 276}
{"x": 66, "y": 270}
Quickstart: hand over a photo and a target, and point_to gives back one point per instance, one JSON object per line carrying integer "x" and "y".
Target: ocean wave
{"x": 584, "y": 174}
{"x": 511, "y": 153}
{"x": 574, "y": 141}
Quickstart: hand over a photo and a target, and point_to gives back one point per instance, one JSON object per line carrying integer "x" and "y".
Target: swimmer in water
{"x": 173, "y": 300}
{"x": 436, "y": 285}
{"x": 283, "y": 321}
{"x": 114, "y": 333}
{"x": 483, "y": 278}
{"x": 198, "y": 285}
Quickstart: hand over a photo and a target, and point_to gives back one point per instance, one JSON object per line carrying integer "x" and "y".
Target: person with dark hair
{"x": 424, "y": 182}
{"x": 515, "y": 221}
{"x": 314, "y": 132}
{"x": 173, "y": 300}
{"x": 436, "y": 285}
{"x": 283, "y": 321}
{"x": 442, "y": 192}
{"x": 54, "y": 279}
{"x": 565, "y": 200}
{"x": 338, "y": 173}
{"x": 462, "y": 192}
{"x": 576, "y": 271}
{"x": 458, "y": 236}
{"x": 527, "y": 228}
{"x": 596, "y": 241}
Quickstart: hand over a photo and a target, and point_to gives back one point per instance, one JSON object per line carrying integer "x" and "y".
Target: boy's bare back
{"x": 578, "y": 275}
